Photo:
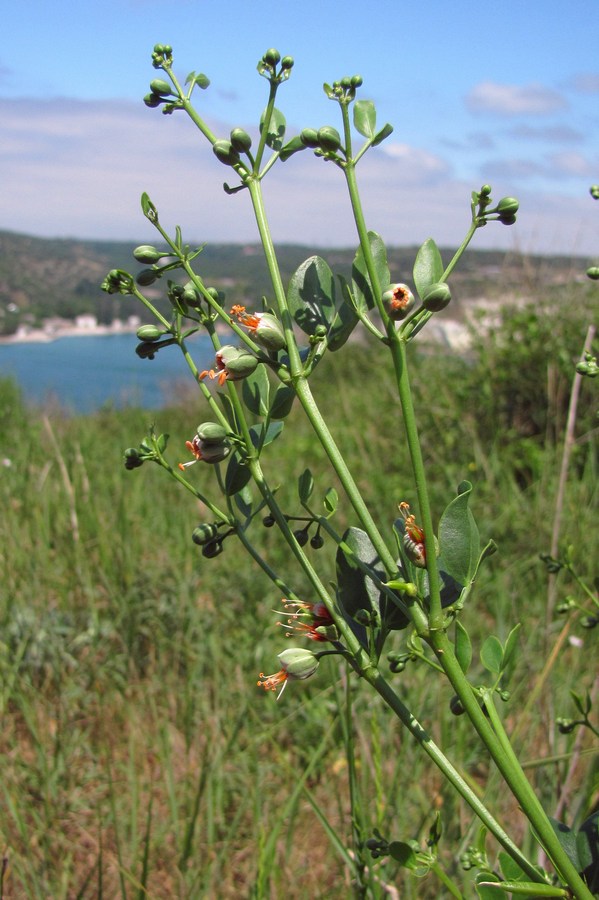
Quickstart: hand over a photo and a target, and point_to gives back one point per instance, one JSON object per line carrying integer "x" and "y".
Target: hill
{"x": 42, "y": 278}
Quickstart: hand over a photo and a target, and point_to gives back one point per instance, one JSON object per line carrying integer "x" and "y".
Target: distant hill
{"x": 42, "y": 278}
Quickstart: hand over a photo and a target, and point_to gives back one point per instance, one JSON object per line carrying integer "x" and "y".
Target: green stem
{"x": 448, "y": 882}
{"x": 497, "y": 743}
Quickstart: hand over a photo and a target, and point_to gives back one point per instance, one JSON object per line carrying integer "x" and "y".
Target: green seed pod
{"x": 240, "y": 140}
{"x": 161, "y": 87}
{"x": 150, "y": 333}
{"x": 146, "y": 277}
{"x": 309, "y": 137}
{"x": 148, "y": 254}
{"x": 204, "y": 533}
{"x": 225, "y": 153}
{"x": 211, "y": 433}
{"x": 272, "y": 57}
{"x": 437, "y": 297}
{"x": 329, "y": 138}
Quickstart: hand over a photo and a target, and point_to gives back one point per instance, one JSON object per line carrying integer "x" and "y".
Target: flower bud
{"x": 272, "y": 57}
{"x": 212, "y": 549}
{"x": 437, "y": 297}
{"x": 329, "y": 138}
{"x": 240, "y": 140}
{"x": 593, "y": 273}
{"x": 356, "y": 81}
{"x": 238, "y": 364}
{"x": 118, "y": 282}
{"x": 398, "y": 300}
{"x": 507, "y": 209}
{"x": 146, "y": 277}
{"x": 148, "y": 254}
{"x": 204, "y": 533}
{"x": 225, "y": 152}
{"x": 211, "y": 433}
{"x": 298, "y": 663}
{"x": 150, "y": 333}
{"x": 309, "y": 137}
{"x": 132, "y": 458}
{"x": 287, "y": 62}
{"x": 455, "y": 706}
{"x": 152, "y": 100}
{"x": 159, "y": 86}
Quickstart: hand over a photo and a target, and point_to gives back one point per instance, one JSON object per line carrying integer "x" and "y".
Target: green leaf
{"x": 331, "y": 499}
{"x": 365, "y": 117}
{"x": 356, "y": 589}
{"x": 459, "y": 540}
{"x": 489, "y": 890}
{"x": 291, "y": 147}
{"x": 255, "y": 391}
{"x": 282, "y": 402}
{"x": 305, "y": 485}
{"x": 276, "y": 129}
{"x": 567, "y": 839}
{"x": 244, "y": 501}
{"x": 428, "y": 267}
{"x": 311, "y": 295}
{"x": 360, "y": 277}
{"x": 491, "y": 655}
{"x": 463, "y": 647}
{"x": 385, "y": 131}
{"x": 509, "y": 648}
{"x": 262, "y": 435}
{"x": 238, "y": 475}
{"x": 199, "y": 79}
{"x": 345, "y": 320}
{"x": 587, "y": 844}
{"x": 510, "y": 869}
{"x": 403, "y": 854}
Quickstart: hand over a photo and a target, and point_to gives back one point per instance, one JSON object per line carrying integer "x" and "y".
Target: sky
{"x": 499, "y": 93}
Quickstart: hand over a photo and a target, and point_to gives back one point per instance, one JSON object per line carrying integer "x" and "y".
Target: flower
{"x": 209, "y": 451}
{"x": 398, "y": 300}
{"x": 296, "y": 665}
{"x": 264, "y": 327}
{"x": 413, "y": 538}
{"x": 231, "y": 364}
{"x": 320, "y": 625}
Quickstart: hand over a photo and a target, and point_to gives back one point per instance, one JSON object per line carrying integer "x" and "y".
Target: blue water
{"x": 83, "y": 374}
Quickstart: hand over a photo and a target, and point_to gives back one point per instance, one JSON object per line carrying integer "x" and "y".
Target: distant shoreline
{"x": 43, "y": 336}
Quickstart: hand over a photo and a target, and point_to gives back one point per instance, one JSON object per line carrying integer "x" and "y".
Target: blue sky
{"x": 505, "y": 93}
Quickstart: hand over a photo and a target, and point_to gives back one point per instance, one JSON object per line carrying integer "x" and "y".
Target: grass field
{"x": 138, "y": 757}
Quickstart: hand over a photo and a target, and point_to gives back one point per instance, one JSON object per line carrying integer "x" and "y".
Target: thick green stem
{"x": 497, "y": 743}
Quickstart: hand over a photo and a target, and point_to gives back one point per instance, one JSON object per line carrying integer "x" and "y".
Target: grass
{"x": 139, "y": 759}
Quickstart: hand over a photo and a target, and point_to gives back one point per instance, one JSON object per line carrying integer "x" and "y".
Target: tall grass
{"x": 139, "y": 760}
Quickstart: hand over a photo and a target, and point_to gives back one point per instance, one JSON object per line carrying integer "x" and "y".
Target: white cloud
{"x": 514, "y": 100}
{"x": 585, "y": 83}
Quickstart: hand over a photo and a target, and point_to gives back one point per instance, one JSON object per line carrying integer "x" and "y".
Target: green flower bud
{"x": 268, "y": 521}
{"x": 485, "y": 190}
{"x": 191, "y": 295}
{"x": 240, "y": 140}
{"x": 593, "y": 273}
{"x": 329, "y": 138}
{"x": 152, "y": 100}
{"x": 204, "y": 533}
{"x": 298, "y": 663}
{"x": 356, "y": 81}
{"x": 212, "y": 549}
{"x": 398, "y": 300}
{"x": 287, "y": 62}
{"x": 507, "y": 209}
{"x": 148, "y": 254}
{"x": 272, "y": 57}
{"x": 211, "y": 433}
{"x": 150, "y": 333}
{"x": 159, "y": 86}
{"x": 455, "y": 706}
{"x": 146, "y": 277}
{"x": 225, "y": 152}
{"x": 594, "y": 191}
{"x": 309, "y": 137}
{"x": 132, "y": 458}
{"x": 437, "y": 297}
{"x": 118, "y": 282}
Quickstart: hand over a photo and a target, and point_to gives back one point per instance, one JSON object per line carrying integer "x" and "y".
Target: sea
{"x": 82, "y": 374}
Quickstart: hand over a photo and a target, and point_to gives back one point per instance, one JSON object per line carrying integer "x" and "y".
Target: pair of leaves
{"x": 495, "y": 656}
{"x": 361, "y": 282}
{"x": 313, "y": 302}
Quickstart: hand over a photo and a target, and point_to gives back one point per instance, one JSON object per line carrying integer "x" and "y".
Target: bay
{"x": 83, "y": 374}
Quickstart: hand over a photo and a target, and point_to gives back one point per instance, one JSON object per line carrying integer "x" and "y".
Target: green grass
{"x": 139, "y": 758}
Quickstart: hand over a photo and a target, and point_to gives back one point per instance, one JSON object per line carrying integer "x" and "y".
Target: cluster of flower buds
{"x": 326, "y": 140}
{"x": 267, "y": 66}
{"x": 162, "y": 55}
{"x": 264, "y": 328}
{"x": 231, "y": 364}
{"x": 297, "y": 664}
{"x": 118, "y": 282}
{"x": 160, "y": 92}
{"x": 210, "y": 444}
{"x": 149, "y": 449}
{"x": 344, "y": 91}
{"x": 302, "y": 535}
{"x": 210, "y": 538}
{"x": 504, "y": 212}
